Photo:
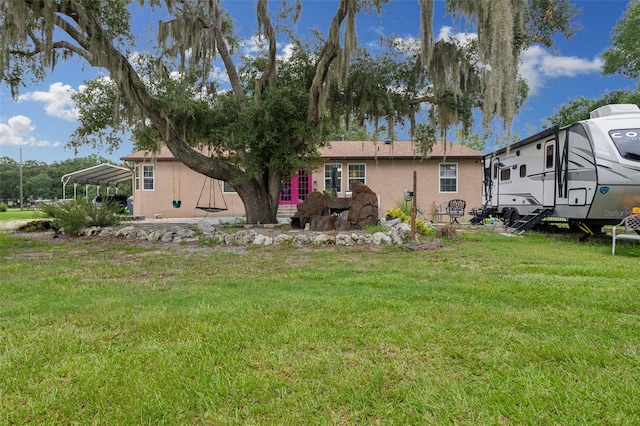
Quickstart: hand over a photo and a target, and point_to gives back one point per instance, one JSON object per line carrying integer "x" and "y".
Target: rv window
{"x": 549, "y": 155}
{"x": 628, "y": 143}
{"x": 523, "y": 170}
{"x": 505, "y": 174}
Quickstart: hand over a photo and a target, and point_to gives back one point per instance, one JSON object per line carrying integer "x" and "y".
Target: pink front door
{"x": 296, "y": 190}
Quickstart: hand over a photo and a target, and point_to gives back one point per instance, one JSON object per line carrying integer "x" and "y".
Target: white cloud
{"x": 570, "y": 66}
{"x": 251, "y": 46}
{"x": 286, "y": 51}
{"x": 220, "y": 75}
{"x": 57, "y": 100}
{"x": 18, "y": 132}
{"x": 537, "y": 64}
{"x": 256, "y": 45}
{"x": 462, "y": 38}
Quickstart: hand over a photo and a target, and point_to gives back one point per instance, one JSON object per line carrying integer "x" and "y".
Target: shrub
{"x": 78, "y": 214}
{"x": 3, "y": 208}
{"x": 106, "y": 215}
{"x": 448, "y": 231}
{"x": 402, "y": 211}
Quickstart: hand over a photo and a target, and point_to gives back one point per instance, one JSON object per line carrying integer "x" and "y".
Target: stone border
{"x": 207, "y": 233}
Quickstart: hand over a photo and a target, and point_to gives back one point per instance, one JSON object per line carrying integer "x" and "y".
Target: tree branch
{"x": 327, "y": 55}
{"x": 221, "y": 45}
{"x": 268, "y": 76}
{"x": 422, "y": 99}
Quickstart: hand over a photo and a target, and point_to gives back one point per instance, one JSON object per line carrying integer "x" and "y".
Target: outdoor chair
{"x": 628, "y": 229}
{"x": 454, "y": 209}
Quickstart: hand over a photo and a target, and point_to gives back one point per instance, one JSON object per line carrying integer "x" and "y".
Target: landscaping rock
{"x": 324, "y": 239}
{"x": 260, "y": 236}
{"x": 363, "y": 209}
{"x": 262, "y": 240}
{"x": 380, "y": 238}
{"x": 344, "y": 240}
{"x": 283, "y": 239}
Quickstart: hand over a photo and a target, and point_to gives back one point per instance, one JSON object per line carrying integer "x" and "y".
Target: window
{"x": 448, "y": 177}
{"x": 523, "y": 170}
{"x": 137, "y": 178}
{"x": 549, "y": 155}
{"x": 628, "y": 143}
{"x": 328, "y": 176}
{"x": 148, "y": 180}
{"x": 226, "y": 188}
{"x": 357, "y": 172}
{"x": 505, "y": 174}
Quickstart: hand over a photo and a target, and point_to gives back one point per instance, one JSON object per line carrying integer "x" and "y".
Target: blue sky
{"x": 44, "y": 116}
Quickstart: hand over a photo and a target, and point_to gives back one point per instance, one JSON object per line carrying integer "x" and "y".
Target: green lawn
{"x": 489, "y": 330}
{"x": 15, "y": 214}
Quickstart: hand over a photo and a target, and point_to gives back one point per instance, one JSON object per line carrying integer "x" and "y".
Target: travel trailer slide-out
{"x": 587, "y": 173}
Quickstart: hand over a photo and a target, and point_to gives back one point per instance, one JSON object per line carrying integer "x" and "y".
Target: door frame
{"x": 297, "y": 188}
{"x": 549, "y": 174}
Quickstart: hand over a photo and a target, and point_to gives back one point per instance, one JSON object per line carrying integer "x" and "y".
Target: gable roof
{"x": 352, "y": 150}
{"x": 162, "y": 154}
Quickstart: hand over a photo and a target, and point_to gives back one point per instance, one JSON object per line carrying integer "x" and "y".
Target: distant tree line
{"x": 42, "y": 181}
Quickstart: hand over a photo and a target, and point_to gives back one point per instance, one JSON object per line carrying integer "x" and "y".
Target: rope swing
{"x": 177, "y": 202}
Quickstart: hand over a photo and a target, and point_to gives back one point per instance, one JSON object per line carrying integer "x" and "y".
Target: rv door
{"x": 549, "y": 174}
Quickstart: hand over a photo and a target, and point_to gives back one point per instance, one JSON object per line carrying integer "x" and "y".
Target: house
{"x": 164, "y": 187}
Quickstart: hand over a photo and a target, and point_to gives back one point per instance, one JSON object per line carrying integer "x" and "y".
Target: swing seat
{"x": 177, "y": 204}
{"x": 211, "y": 209}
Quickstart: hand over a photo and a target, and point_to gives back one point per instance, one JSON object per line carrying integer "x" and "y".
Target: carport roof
{"x": 102, "y": 174}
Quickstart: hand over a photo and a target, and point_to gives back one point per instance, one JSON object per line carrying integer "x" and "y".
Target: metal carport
{"x": 102, "y": 174}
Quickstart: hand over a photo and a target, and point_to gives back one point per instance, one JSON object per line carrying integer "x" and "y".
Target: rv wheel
{"x": 510, "y": 216}
{"x": 506, "y": 216}
{"x": 515, "y": 217}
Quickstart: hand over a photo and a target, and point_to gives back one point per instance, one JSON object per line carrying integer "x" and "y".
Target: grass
{"x": 15, "y": 214}
{"x": 489, "y": 330}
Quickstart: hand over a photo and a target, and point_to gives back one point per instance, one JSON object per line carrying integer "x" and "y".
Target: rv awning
{"x": 102, "y": 174}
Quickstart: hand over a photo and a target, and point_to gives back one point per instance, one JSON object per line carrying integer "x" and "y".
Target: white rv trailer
{"x": 587, "y": 173}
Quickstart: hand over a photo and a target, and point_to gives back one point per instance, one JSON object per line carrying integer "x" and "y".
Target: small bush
{"x": 3, "y": 208}
{"x": 448, "y": 231}
{"x": 402, "y": 211}
{"x": 79, "y": 214}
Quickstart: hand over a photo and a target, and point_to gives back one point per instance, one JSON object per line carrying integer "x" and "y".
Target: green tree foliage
{"x": 579, "y": 108}
{"x": 623, "y": 57}
{"x": 278, "y": 111}
{"x": 9, "y": 180}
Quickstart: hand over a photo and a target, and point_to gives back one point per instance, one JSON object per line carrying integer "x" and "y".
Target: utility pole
{"x": 21, "y": 197}
{"x": 414, "y": 204}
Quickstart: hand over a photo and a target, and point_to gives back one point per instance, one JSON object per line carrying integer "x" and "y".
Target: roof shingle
{"x": 354, "y": 150}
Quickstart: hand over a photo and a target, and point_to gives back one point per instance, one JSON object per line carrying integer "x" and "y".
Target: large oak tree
{"x": 276, "y": 112}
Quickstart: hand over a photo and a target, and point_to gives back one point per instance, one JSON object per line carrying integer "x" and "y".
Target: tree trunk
{"x": 260, "y": 201}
